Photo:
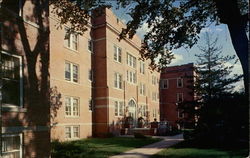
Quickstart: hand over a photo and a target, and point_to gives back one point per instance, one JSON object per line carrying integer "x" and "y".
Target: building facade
{"x": 99, "y": 82}
{"x": 25, "y": 107}
{"x": 176, "y": 87}
{"x": 124, "y": 87}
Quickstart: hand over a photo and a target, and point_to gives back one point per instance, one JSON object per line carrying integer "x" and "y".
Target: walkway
{"x": 151, "y": 149}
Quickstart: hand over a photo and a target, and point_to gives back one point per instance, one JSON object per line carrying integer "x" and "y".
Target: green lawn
{"x": 97, "y": 147}
{"x": 188, "y": 149}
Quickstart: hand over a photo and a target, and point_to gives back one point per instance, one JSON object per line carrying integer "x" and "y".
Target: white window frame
{"x": 90, "y": 45}
{"x": 70, "y": 40}
{"x": 131, "y": 60}
{"x": 21, "y": 143}
{"x": 163, "y": 83}
{"x": 72, "y": 132}
{"x": 117, "y": 54}
{"x": 178, "y": 96}
{"x": 72, "y": 106}
{"x": 118, "y": 80}
{"x": 71, "y": 72}
{"x": 132, "y": 77}
{"x": 177, "y": 82}
{"x": 142, "y": 67}
{"x": 119, "y": 108}
{"x": 90, "y": 75}
{"x": 142, "y": 89}
{"x": 20, "y": 80}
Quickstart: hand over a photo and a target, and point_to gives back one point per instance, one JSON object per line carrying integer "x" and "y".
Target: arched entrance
{"x": 132, "y": 112}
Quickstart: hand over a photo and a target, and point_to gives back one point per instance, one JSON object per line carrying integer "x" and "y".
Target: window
{"x": 90, "y": 75}
{"x": 90, "y": 104}
{"x": 119, "y": 108}
{"x": 142, "y": 67}
{"x": 12, "y": 146}
{"x": 154, "y": 113}
{"x": 90, "y": 45}
{"x": 154, "y": 96}
{"x": 12, "y": 79}
{"x": 144, "y": 110}
{"x": 179, "y": 97}
{"x": 142, "y": 89}
{"x": 131, "y": 60}
{"x": 118, "y": 81}
{"x": 14, "y": 6}
{"x": 71, "y": 40}
{"x": 179, "y": 82}
{"x": 71, "y": 72}
{"x": 72, "y": 132}
{"x": 164, "y": 84}
{"x": 180, "y": 114}
{"x": 71, "y": 106}
{"x": 131, "y": 77}
{"x": 153, "y": 80}
{"x": 117, "y": 54}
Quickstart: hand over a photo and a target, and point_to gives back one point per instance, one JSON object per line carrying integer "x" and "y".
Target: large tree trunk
{"x": 240, "y": 44}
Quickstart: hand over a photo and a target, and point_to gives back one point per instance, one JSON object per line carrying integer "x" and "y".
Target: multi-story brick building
{"x": 25, "y": 77}
{"x": 71, "y": 76}
{"x": 175, "y": 87}
{"x": 101, "y": 80}
{"x": 123, "y": 84}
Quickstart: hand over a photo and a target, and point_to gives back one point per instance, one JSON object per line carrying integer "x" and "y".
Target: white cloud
{"x": 143, "y": 29}
{"x": 178, "y": 58}
{"x": 218, "y": 29}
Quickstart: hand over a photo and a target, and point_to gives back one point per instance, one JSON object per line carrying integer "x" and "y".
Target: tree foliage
{"x": 172, "y": 23}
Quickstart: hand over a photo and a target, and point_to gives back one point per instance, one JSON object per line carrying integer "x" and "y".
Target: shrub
{"x": 139, "y": 135}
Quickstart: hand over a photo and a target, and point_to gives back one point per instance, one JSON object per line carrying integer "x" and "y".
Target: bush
{"x": 139, "y": 135}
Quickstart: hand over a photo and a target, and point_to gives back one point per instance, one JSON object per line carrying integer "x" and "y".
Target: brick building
{"x": 175, "y": 87}
{"x": 25, "y": 77}
{"x": 99, "y": 80}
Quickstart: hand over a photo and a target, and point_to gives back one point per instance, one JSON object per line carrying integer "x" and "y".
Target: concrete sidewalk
{"x": 151, "y": 149}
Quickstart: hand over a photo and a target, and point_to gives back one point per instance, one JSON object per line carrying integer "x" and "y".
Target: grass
{"x": 97, "y": 147}
{"x": 191, "y": 149}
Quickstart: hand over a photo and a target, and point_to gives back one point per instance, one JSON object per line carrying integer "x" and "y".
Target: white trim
{"x": 21, "y": 142}
{"x": 71, "y": 106}
{"x": 71, "y": 72}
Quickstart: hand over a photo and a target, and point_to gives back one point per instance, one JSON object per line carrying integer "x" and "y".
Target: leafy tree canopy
{"x": 172, "y": 23}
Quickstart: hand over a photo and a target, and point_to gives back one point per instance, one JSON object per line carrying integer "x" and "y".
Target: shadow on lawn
{"x": 205, "y": 149}
{"x": 96, "y": 147}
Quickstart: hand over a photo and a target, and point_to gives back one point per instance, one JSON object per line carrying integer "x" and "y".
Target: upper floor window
{"x": 72, "y": 132}
{"x": 72, "y": 106}
{"x": 119, "y": 108}
{"x": 142, "y": 67}
{"x": 90, "y": 74}
{"x": 164, "y": 84}
{"x": 131, "y": 60}
{"x": 117, "y": 54}
{"x": 12, "y": 79}
{"x": 90, "y": 46}
{"x": 179, "y": 97}
{"x": 71, "y": 40}
{"x": 131, "y": 77}
{"x": 180, "y": 114}
{"x": 91, "y": 104}
{"x": 71, "y": 72}
{"x": 142, "y": 89}
{"x": 118, "y": 80}
{"x": 154, "y": 96}
{"x": 154, "y": 80}
{"x": 179, "y": 82}
{"x": 12, "y": 146}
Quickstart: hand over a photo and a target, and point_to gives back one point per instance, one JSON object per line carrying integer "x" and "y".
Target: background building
{"x": 176, "y": 87}
{"x": 25, "y": 78}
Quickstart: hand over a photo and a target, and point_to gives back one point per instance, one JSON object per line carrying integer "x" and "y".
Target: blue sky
{"x": 184, "y": 56}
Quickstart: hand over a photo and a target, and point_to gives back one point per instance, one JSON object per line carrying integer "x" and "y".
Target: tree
{"x": 213, "y": 85}
{"x": 172, "y": 23}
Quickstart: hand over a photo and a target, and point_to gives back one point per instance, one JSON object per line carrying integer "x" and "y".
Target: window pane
{"x": 75, "y": 73}
{"x": 120, "y": 55}
{"x": 11, "y": 146}
{"x": 76, "y": 132}
{"x": 90, "y": 104}
{"x": 115, "y": 53}
{"x": 116, "y": 108}
{"x": 121, "y": 108}
{"x": 74, "y": 41}
{"x": 67, "y": 132}
{"x": 11, "y": 79}
{"x": 67, "y": 71}
{"x": 68, "y": 106}
{"x": 75, "y": 107}
{"x": 90, "y": 45}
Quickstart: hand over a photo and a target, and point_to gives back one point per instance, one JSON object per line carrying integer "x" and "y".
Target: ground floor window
{"x": 72, "y": 132}
{"x": 12, "y": 145}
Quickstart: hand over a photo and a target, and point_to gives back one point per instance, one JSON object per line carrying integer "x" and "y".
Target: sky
{"x": 184, "y": 56}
